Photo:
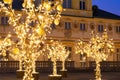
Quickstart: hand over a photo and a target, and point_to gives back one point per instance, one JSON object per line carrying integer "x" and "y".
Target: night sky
{"x": 112, "y": 6}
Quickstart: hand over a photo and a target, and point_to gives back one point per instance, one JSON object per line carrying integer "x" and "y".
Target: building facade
{"x": 78, "y": 19}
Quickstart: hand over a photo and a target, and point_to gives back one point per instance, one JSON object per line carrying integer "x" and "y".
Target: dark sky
{"x": 112, "y": 6}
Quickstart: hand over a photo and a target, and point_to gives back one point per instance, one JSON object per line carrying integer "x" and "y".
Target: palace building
{"x": 78, "y": 19}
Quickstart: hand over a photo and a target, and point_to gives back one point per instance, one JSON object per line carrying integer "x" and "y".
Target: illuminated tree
{"x": 5, "y": 46}
{"x": 98, "y": 48}
{"x": 54, "y": 54}
{"x": 64, "y": 55}
{"x": 31, "y": 24}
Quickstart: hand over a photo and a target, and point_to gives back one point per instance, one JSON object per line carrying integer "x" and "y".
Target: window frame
{"x": 67, "y": 4}
{"x": 67, "y": 25}
{"x": 4, "y": 20}
{"x": 117, "y": 29}
{"x": 82, "y": 5}
{"x": 82, "y": 27}
{"x": 100, "y": 28}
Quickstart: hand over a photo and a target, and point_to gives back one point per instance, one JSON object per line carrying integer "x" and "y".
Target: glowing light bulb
{"x": 47, "y": 6}
{"x": 15, "y": 51}
{"x": 41, "y": 31}
{"x": 41, "y": 16}
{"x": 56, "y": 22}
{"x": 59, "y": 8}
{"x": 7, "y": 1}
{"x": 4, "y": 54}
{"x": 23, "y": 4}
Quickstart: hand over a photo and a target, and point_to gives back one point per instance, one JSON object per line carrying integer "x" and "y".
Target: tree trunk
{"x": 54, "y": 68}
{"x": 20, "y": 65}
{"x": 34, "y": 66}
{"x": 63, "y": 65}
{"x": 98, "y": 71}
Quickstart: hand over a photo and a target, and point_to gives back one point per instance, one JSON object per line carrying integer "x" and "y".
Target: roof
{"x": 98, "y": 13}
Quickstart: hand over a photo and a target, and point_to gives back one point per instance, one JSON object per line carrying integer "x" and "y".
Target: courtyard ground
{"x": 71, "y": 76}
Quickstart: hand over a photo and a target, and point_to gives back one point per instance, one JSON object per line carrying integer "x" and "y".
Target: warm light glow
{"x": 31, "y": 24}
{"x": 57, "y": 52}
{"x": 98, "y": 48}
{"x": 56, "y": 21}
{"x": 47, "y": 6}
{"x": 15, "y": 51}
{"x": 5, "y": 45}
{"x": 7, "y": 1}
{"x": 41, "y": 31}
{"x": 59, "y": 8}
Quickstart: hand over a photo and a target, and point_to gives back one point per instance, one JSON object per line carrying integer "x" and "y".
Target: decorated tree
{"x": 54, "y": 54}
{"x": 31, "y": 24}
{"x": 98, "y": 48}
{"x": 64, "y": 55}
{"x": 5, "y": 46}
{"x": 17, "y": 55}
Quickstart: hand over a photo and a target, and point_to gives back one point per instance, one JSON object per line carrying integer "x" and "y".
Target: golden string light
{"x": 5, "y": 46}
{"x": 63, "y": 55}
{"x": 98, "y": 48}
{"x": 31, "y": 24}
{"x": 54, "y": 54}
{"x": 57, "y": 52}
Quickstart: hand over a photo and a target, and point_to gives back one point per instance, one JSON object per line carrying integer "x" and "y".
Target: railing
{"x": 9, "y": 66}
{"x": 41, "y": 66}
{"x": 46, "y": 66}
{"x": 106, "y": 65}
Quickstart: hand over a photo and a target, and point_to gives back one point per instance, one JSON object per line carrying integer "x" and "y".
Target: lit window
{"x": 82, "y": 27}
{"x": 4, "y": 20}
{"x": 82, "y": 5}
{"x": 67, "y": 25}
{"x": 67, "y": 4}
{"x": 100, "y": 28}
{"x": 118, "y": 29}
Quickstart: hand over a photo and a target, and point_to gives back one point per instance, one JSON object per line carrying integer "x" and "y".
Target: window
{"x": 100, "y": 28}
{"x": 69, "y": 49}
{"x": 117, "y": 50}
{"x": 67, "y": 25}
{"x": 118, "y": 54}
{"x": 4, "y": 20}
{"x": 82, "y": 27}
{"x": 67, "y": 4}
{"x": 118, "y": 29}
{"x": 82, "y": 5}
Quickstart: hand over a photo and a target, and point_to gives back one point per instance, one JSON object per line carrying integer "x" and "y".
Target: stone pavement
{"x": 71, "y": 76}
